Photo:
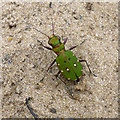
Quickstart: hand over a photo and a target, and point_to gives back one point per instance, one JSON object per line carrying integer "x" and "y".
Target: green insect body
{"x": 69, "y": 65}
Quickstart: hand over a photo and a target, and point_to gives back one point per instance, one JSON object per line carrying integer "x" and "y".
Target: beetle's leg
{"x": 77, "y": 45}
{"x": 87, "y": 66}
{"x": 65, "y": 41}
{"x": 45, "y": 46}
{"x": 51, "y": 65}
{"x": 73, "y": 47}
{"x": 83, "y": 41}
{"x": 57, "y": 74}
{"x": 69, "y": 91}
{"x": 30, "y": 109}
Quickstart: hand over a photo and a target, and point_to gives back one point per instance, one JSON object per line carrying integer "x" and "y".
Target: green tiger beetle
{"x": 67, "y": 62}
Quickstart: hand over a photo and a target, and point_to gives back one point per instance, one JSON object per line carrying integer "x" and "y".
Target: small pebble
{"x": 39, "y": 85}
{"x": 53, "y": 110}
{"x": 89, "y": 6}
{"x": 50, "y": 5}
{"x": 10, "y": 39}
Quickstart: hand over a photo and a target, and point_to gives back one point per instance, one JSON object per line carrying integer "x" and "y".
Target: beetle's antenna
{"x": 37, "y": 29}
{"x": 52, "y": 26}
{"x": 41, "y": 32}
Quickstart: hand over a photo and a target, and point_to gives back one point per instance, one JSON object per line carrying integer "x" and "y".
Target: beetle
{"x": 67, "y": 62}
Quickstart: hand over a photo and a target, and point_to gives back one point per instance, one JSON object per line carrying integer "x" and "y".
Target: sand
{"x": 25, "y": 61}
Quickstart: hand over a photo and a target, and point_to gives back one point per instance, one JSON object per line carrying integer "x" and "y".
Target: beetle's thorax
{"x": 58, "y": 50}
{"x": 56, "y": 44}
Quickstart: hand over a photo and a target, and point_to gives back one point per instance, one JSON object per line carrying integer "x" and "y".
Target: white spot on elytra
{"x": 75, "y": 65}
{"x": 67, "y": 69}
{"x": 61, "y": 70}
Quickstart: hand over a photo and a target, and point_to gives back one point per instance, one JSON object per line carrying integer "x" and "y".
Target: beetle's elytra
{"x": 69, "y": 65}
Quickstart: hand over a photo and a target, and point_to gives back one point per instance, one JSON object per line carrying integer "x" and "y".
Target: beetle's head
{"x": 54, "y": 41}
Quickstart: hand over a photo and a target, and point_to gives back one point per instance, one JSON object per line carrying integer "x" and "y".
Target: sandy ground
{"x": 25, "y": 61}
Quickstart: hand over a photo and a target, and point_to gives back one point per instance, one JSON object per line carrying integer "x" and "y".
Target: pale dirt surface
{"x": 24, "y": 61}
